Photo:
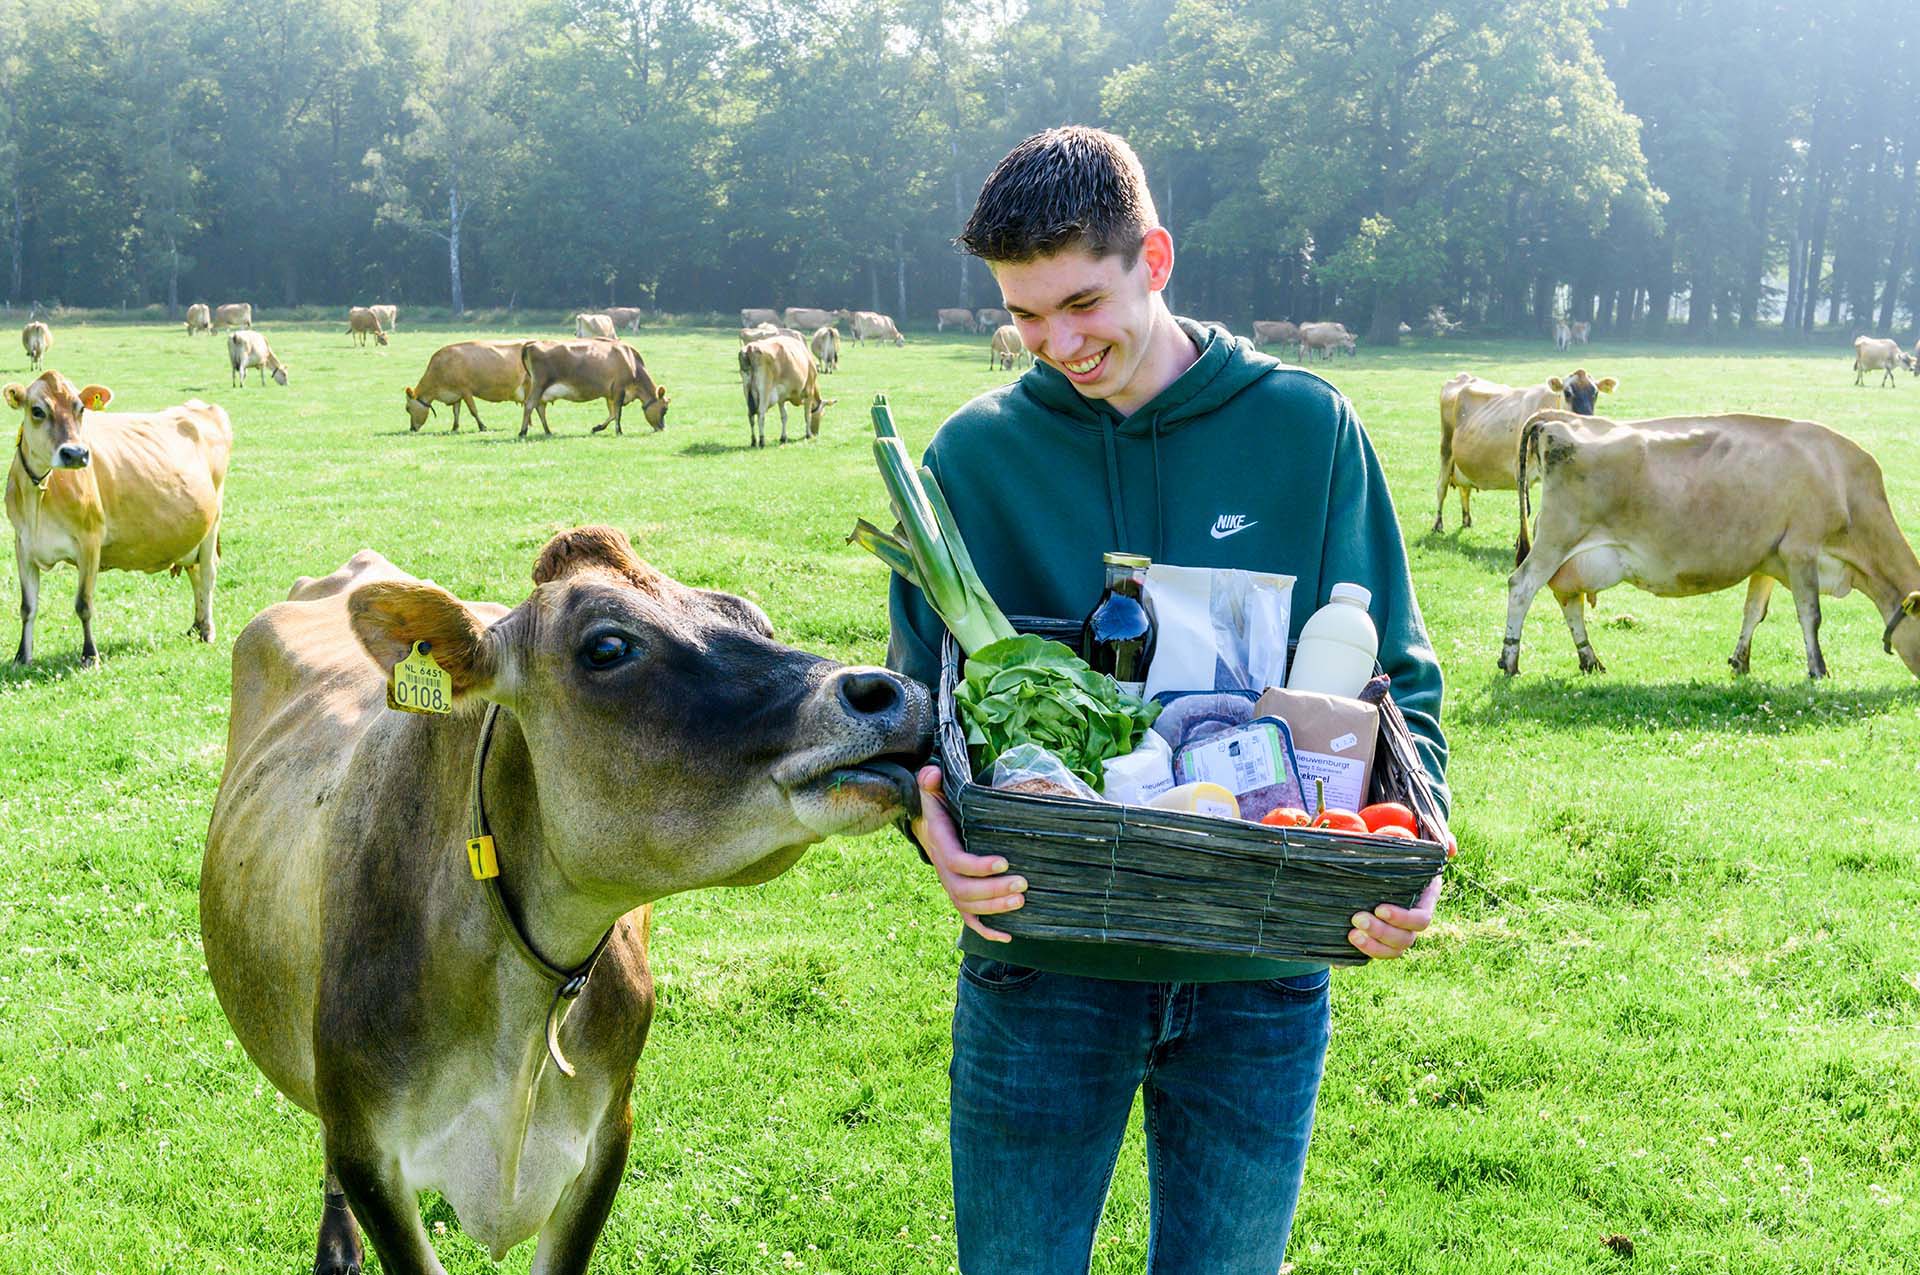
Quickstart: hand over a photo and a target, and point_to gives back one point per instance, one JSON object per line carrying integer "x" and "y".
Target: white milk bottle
{"x": 1338, "y": 645}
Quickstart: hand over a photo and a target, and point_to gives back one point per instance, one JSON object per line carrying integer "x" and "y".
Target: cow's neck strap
{"x": 1900, "y": 612}
{"x": 20, "y": 446}
{"x": 567, "y": 983}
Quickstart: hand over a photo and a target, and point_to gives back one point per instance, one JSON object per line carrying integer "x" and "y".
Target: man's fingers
{"x": 1386, "y": 940}
{"x": 992, "y": 935}
{"x": 979, "y": 889}
{"x": 1371, "y": 946}
{"x": 1416, "y": 918}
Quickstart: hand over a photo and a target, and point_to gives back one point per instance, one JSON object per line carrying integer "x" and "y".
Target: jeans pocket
{"x": 995, "y": 976}
{"x": 1300, "y": 987}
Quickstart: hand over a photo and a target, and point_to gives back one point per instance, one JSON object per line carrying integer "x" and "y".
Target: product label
{"x": 1343, "y": 743}
{"x": 1240, "y": 762}
{"x": 1344, "y": 777}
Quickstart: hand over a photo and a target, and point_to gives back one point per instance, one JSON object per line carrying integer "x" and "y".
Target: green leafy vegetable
{"x": 1031, "y": 690}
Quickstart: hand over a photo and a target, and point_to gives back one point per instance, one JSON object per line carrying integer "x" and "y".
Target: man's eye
{"x": 607, "y": 650}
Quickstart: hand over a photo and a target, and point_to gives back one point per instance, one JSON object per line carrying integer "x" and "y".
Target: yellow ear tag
{"x": 419, "y": 685}
{"x": 481, "y": 858}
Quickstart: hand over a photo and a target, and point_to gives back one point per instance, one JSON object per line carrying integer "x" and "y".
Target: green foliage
{"x": 1030, "y": 690}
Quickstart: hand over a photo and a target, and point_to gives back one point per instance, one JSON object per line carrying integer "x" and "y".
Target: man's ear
{"x": 95, "y": 397}
{"x": 16, "y": 394}
{"x": 1157, "y": 248}
{"x": 390, "y": 616}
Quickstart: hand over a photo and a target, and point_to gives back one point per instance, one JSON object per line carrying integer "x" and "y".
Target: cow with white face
{"x": 465, "y": 1016}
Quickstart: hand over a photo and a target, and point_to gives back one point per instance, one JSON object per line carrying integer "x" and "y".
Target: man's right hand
{"x": 977, "y": 885}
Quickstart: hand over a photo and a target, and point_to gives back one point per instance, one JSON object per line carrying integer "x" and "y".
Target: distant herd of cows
{"x": 1676, "y": 506}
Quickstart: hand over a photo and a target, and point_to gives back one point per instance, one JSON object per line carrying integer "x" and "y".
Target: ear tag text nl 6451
{"x": 419, "y": 685}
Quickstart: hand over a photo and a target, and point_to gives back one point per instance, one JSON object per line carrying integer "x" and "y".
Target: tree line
{"x": 1751, "y": 165}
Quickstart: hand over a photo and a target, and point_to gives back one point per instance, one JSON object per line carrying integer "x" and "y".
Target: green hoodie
{"x": 1241, "y": 462}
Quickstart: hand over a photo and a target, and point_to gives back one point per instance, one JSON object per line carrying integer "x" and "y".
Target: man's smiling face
{"x": 1092, "y": 318}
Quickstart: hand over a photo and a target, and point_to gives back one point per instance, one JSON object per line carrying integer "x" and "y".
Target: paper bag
{"x": 1333, "y": 740}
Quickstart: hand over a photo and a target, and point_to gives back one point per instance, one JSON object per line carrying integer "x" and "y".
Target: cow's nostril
{"x": 870, "y": 694}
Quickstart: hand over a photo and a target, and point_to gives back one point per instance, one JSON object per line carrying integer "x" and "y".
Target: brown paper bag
{"x": 1333, "y": 737}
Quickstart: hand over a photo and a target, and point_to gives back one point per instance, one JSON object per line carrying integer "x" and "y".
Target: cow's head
{"x": 1581, "y": 391}
{"x": 671, "y": 742}
{"x": 1902, "y": 636}
{"x": 50, "y": 418}
{"x": 418, "y": 409}
{"x": 379, "y": 336}
{"x": 815, "y": 411}
{"x": 655, "y": 404}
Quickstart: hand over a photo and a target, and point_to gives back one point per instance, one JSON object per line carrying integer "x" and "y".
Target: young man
{"x": 1142, "y": 432}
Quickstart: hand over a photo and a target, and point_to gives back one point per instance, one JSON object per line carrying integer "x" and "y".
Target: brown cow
{"x": 582, "y": 370}
{"x": 249, "y": 349}
{"x": 619, "y": 737}
{"x": 1877, "y": 354}
{"x": 779, "y": 370}
{"x": 825, "y": 348}
{"x": 1326, "y": 338}
{"x": 1006, "y": 348}
{"x": 962, "y": 319}
{"x": 1480, "y": 424}
{"x": 199, "y": 319}
{"x": 748, "y": 318}
{"x": 762, "y": 330}
{"x": 989, "y": 318}
{"x": 113, "y": 491}
{"x": 805, "y": 318}
{"x": 1275, "y": 332}
{"x": 597, "y": 327}
{"x": 624, "y": 316}
{"x": 239, "y": 314}
{"x": 1694, "y": 504}
{"x": 36, "y": 339}
{"x": 867, "y": 323}
{"x": 465, "y": 371}
{"x": 362, "y": 322}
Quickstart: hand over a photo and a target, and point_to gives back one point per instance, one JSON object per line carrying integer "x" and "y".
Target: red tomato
{"x": 1286, "y": 817}
{"x": 1388, "y": 813}
{"x": 1339, "y": 821}
{"x": 1392, "y": 830}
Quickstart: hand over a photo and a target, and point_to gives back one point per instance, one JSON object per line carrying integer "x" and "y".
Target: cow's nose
{"x": 871, "y": 692}
{"x": 71, "y": 456}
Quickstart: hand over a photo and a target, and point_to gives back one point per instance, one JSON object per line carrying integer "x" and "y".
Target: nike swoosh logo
{"x": 1236, "y": 529}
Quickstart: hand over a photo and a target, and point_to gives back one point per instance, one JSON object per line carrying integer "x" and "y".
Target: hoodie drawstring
{"x": 1159, "y": 504}
{"x": 1116, "y": 503}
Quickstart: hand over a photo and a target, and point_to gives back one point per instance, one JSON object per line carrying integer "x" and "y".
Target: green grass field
{"x": 1672, "y": 992}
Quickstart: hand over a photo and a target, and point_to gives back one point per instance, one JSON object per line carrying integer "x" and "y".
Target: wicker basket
{"x": 1099, "y": 872}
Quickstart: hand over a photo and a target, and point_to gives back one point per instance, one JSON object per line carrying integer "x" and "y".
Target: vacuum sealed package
{"x": 1136, "y": 778}
{"x": 1254, "y": 762}
{"x": 1220, "y": 629}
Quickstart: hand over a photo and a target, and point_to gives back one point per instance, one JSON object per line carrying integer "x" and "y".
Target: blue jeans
{"x": 1044, "y": 1071}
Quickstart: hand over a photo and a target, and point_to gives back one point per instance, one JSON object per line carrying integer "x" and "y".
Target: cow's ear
{"x": 410, "y": 394}
{"x": 1607, "y": 385}
{"x": 1557, "y": 385}
{"x": 95, "y": 397}
{"x": 16, "y": 394}
{"x": 660, "y": 388}
{"x": 1911, "y": 603}
{"x": 390, "y": 616}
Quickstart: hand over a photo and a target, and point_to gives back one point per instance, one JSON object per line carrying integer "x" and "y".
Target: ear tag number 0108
{"x": 419, "y": 684}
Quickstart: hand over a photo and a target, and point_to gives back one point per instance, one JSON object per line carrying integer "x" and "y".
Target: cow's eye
{"x": 39, "y": 412}
{"x": 606, "y": 650}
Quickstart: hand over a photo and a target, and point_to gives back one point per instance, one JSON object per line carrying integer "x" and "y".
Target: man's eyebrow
{"x": 1085, "y": 294}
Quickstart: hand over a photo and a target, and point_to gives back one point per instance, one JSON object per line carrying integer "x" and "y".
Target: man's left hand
{"x": 1388, "y": 931}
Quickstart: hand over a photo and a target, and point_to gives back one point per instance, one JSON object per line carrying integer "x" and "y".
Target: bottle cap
{"x": 1118, "y": 559}
{"x": 1357, "y": 594}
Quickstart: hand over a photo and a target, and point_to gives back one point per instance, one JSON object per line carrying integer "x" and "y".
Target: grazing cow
{"x": 598, "y": 327}
{"x": 1275, "y": 332}
{"x": 36, "y": 339}
{"x": 748, "y": 318}
{"x": 989, "y": 318}
{"x": 866, "y": 323}
{"x": 1578, "y": 331}
{"x": 1694, "y": 504}
{"x": 237, "y": 315}
{"x": 962, "y": 319}
{"x": 113, "y": 491}
{"x": 624, "y": 316}
{"x": 465, "y": 371}
{"x": 1480, "y": 430}
{"x": 1006, "y": 349}
{"x": 778, "y": 371}
{"x": 249, "y": 349}
{"x": 825, "y": 347}
{"x": 1326, "y": 338}
{"x": 199, "y": 319}
{"x": 805, "y": 318}
{"x": 1562, "y": 334}
{"x": 362, "y": 322}
{"x": 761, "y": 331}
{"x": 582, "y": 370}
{"x": 389, "y": 316}
{"x": 1877, "y": 354}
{"x": 616, "y": 738}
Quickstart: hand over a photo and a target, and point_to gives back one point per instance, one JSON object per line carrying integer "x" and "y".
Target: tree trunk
{"x": 1385, "y": 328}
{"x": 1816, "y": 254}
{"x": 17, "y": 242}
{"x": 173, "y": 279}
{"x": 873, "y": 283}
{"x": 454, "y": 214}
{"x": 966, "y": 289}
{"x": 1754, "y": 268}
{"x": 1897, "y": 259}
{"x": 900, "y": 271}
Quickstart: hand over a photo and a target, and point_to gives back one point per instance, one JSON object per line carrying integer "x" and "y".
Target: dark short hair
{"x": 1072, "y": 187}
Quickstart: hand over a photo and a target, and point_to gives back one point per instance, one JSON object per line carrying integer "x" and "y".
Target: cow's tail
{"x": 746, "y": 382}
{"x": 1529, "y": 444}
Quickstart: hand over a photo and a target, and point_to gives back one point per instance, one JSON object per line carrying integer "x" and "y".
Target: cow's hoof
{"x": 1591, "y": 664}
{"x": 205, "y": 635}
{"x": 1510, "y": 667}
{"x": 1739, "y": 666}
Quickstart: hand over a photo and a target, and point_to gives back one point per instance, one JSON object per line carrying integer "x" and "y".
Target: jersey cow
{"x": 1878, "y": 354}
{"x": 594, "y": 327}
{"x": 777, "y": 371}
{"x": 239, "y": 314}
{"x": 199, "y": 319}
{"x": 1687, "y": 505}
{"x": 805, "y": 318}
{"x": 362, "y": 322}
{"x": 1480, "y": 424}
{"x": 866, "y": 324}
{"x": 580, "y": 371}
{"x": 1325, "y": 338}
{"x": 1006, "y": 349}
{"x": 616, "y": 738}
{"x": 824, "y": 345}
{"x": 465, "y": 371}
{"x": 36, "y": 339}
{"x": 962, "y": 319}
{"x": 249, "y": 349}
{"x": 749, "y": 318}
{"x": 1275, "y": 332}
{"x": 624, "y": 316}
{"x": 389, "y": 315}
{"x": 113, "y": 491}
{"x": 991, "y": 317}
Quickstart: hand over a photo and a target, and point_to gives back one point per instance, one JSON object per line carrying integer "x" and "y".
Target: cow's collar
{"x": 567, "y": 983}
{"x": 1900, "y": 612}
{"x": 20, "y": 446}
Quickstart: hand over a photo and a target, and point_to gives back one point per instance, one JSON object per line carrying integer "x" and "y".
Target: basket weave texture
{"x": 1100, "y": 872}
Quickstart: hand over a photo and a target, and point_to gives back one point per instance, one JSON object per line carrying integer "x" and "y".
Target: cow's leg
{"x": 1446, "y": 482}
{"x": 567, "y": 1239}
{"x": 340, "y": 1251}
{"x": 201, "y": 571}
{"x": 29, "y": 599}
{"x": 1526, "y": 580}
{"x": 1803, "y": 577}
{"x": 386, "y": 1210}
{"x": 1759, "y": 591}
{"x": 783, "y": 424}
{"x": 473, "y": 409}
{"x": 89, "y": 565}
{"x": 1466, "y": 506}
{"x": 1573, "y": 607}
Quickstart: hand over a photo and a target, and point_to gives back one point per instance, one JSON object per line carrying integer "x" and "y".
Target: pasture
{"x": 1671, "y": 994}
